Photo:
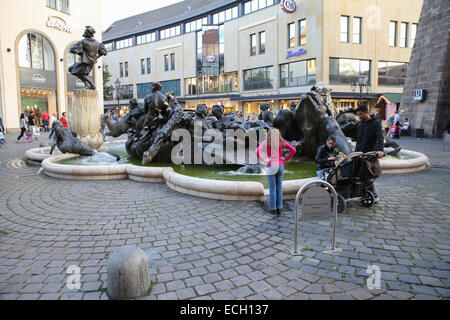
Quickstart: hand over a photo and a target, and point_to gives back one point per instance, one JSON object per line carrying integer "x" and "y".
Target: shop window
{"x": 143, "y": 89}
{"x": 259, "y": 78}
{"x": 126, "y": 91}
{"x": 172, "y": 85}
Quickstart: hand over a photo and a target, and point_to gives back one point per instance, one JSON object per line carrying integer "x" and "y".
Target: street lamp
{"x": 362, "y": 86}
{"x": 118, "y": 93}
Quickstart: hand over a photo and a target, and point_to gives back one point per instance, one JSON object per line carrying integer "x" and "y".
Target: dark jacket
{"x": 1, "y": 125}
{"x": 323, "y": 153}
{"x": 370, "y": 136}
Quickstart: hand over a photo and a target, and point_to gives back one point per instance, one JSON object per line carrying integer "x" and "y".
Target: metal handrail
{"x": 300, "y": 193}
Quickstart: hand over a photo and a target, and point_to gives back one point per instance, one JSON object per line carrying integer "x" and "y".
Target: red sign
{"x": 288, "y": 6}
{"x": 210, "y": 59}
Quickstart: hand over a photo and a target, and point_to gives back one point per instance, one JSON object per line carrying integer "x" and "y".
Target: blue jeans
{"x": 322, "y": 174}
{"x": 275, "y": 177}
{"x": 52, "y": 133}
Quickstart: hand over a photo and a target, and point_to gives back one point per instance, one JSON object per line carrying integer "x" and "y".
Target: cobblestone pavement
{"x": 207, "y": 249}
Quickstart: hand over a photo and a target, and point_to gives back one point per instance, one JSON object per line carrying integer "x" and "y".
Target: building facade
{"x": 243, "y": 53}
{"x": 35, "y": 37}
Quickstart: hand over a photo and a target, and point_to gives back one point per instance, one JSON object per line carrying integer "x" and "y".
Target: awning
{"x": 391, "y": 97}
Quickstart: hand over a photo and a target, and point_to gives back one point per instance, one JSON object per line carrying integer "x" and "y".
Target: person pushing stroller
{"x": 326, "y": 157}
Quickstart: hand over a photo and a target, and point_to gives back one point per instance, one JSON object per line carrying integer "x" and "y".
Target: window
{"x": 226, "y": 15}
{"x": 413, "y": 35}
{"x": 392, "y": 73}
{"x": 262, "y": 42}
{"x": 146, "y": 38}
{"x": 299, "y": 73}
{"x": 291, "y": 35}
{"x": 357, "y": 30}
{"x": 149, "y": 66}
{"x": 172, "y": 61}
{"x": 253, "y": 44}
{"x": 172, "y": 85}
{"x": 345, "y": 21}
{"x": 254, "y": 5}
{"x": 302, "y": 31}
{"x": 64, "y": 6}
{"x": 166, "y": 62}
{"x": 126, "y": 69}
{"x": 36, "y": 52}
{"x": 143, "y": 89}
{"x": 347, "y": 71}
{"x": 259, "y": 78}
{"x": 109, "y": 46}
{"x": 225, "y": 82}
{"x": 126, "y": 91}
{"x": 393, "y": 33}
{"x": 195, "y": 25}
{"x": 170, "y": 32}
{"x": 51, "y": 3}
{"x": 121, "y": 69}
{"x": 142, "y": 66}
{"x": 404, "y": 35}
{"x": 124, "y": 43}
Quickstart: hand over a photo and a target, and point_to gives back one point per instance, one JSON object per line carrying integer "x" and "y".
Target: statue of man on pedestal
{"x": 89, "y": 50}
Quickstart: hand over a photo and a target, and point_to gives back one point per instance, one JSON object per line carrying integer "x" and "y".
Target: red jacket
{"x": 45, "y": 116}
{"x": 64, "y": 122}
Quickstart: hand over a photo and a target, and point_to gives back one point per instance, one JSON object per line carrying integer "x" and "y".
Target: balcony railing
{"x": 258, "y": 84}
{"x": 298, "y": 81}
{"x": 197, "y": 90}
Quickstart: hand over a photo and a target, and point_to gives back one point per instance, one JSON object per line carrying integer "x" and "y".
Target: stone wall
{"x": 429, "y": 69}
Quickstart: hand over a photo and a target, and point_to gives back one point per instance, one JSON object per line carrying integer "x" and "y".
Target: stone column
{"x": 85, "y": 117}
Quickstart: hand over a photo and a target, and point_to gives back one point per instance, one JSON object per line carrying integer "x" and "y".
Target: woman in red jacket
{"x": 274, "y": 146}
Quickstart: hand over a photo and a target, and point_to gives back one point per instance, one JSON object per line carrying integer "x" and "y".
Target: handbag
{"x": 374, "y": 168}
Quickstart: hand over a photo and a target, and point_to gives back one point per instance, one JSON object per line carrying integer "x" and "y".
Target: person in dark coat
{"x": 326, "y": 156}
{"x": 369, "y": 137}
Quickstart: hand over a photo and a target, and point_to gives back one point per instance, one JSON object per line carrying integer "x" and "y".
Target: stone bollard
{"x": 128, "y": 274}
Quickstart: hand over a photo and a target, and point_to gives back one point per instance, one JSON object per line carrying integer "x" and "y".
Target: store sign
{"x": 58, "y": 24}
{"x": 419, "y": 94}
{"x": 296, "y": 53}
{"x": 288, "y": 6}
{"x": 38, "y": 78}
{"x": 210, "y": 59}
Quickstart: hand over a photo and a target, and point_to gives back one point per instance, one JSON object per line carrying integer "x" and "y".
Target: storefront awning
{"x": 391, "y": 97}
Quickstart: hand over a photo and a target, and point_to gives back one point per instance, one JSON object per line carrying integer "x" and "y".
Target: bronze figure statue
{"x": 89, "y": 50}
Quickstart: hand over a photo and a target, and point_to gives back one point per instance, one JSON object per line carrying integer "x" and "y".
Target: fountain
{"x": 194, "y": 153}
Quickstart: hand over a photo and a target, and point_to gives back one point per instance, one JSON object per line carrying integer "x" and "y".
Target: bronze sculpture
{"x": 89, "y": 50}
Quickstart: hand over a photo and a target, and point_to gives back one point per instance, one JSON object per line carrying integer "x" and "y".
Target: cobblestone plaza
{"x": 207, "y": 249}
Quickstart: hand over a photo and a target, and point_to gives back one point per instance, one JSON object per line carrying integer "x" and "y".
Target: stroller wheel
{"x": 341, "y": 204}
{"x": 368, "y": 200}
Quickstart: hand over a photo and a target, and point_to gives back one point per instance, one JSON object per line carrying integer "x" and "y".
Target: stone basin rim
{"x": 201, "y": 187}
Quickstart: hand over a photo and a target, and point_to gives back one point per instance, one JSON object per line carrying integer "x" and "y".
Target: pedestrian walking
{"x": 52, "y": 121}
{"x": 64, "y": 120}
{"x": 45, "y": 120}
{"x": 274, "y": 146}
{"x": 23, "y": 127}
{"x": 369, "y": 137}
{"x": 3, "y": 142}
{"x": 31, "y": 124}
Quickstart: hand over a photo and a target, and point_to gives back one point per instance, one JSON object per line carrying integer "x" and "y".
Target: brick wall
{"x": 429, "y": 69}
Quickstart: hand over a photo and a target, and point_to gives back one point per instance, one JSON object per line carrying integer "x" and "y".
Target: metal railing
{"x": 297, "y": 81}
{"x": 258, "y": 84}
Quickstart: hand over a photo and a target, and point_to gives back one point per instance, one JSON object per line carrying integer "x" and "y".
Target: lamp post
{"x": 362, "y": 86}
{"x": 118, "y": 94}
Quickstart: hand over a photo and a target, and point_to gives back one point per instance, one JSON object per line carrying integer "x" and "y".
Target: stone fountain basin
{"x": 200, "y": 187}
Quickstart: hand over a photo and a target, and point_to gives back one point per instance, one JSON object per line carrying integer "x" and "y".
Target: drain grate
{"x": 265, "y": 206}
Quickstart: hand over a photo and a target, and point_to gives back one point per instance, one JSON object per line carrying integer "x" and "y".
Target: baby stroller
{"x": 346, "y": 178}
